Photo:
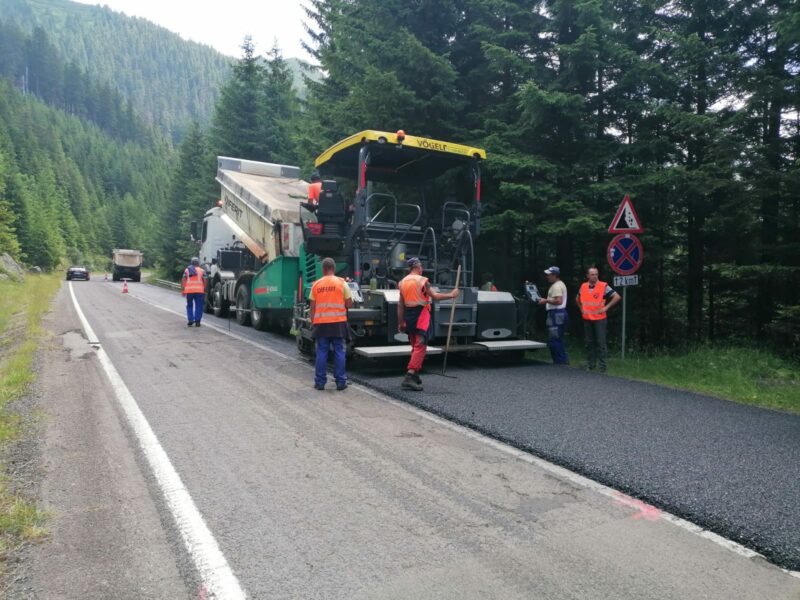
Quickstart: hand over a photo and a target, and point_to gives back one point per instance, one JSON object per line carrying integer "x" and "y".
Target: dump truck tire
{"x": 259, "y": 319}
{"x": 243, "y": 305}
{"x": 220, "y": 306}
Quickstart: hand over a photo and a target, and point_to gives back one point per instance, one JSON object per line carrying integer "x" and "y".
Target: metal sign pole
{"x": 624, "y": 315}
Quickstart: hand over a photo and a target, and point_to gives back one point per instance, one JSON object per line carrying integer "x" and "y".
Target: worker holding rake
{"x": 414, "y": 317}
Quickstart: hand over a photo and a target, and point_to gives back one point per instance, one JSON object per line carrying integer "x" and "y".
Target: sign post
{"x": 624, "y": 317}
{"x": 625, "y": 254}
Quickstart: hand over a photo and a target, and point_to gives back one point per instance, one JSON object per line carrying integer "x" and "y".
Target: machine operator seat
{"x": 331, "y": 207}
{"x": 332, "y": 219}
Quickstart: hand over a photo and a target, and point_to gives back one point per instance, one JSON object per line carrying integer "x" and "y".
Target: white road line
{"x": 217, "y": 577}
{"x": 617, "y": 496}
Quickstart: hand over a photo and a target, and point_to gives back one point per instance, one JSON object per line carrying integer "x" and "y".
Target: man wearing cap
{"x": 556, "y": 303}
{"x": 592, "y": 300}
{"x": 414, "y": 317}
{"x": 193, "y": 286}
{"x": 314, "y": 190}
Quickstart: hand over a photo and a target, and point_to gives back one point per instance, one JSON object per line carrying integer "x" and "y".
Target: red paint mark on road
{"x": 643, "y": 510}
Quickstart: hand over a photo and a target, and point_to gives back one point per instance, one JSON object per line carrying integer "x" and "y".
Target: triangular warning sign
{"x": 626, "y": 220}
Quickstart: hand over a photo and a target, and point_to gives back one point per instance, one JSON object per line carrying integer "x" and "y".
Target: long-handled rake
{"x": 450, "y": 325}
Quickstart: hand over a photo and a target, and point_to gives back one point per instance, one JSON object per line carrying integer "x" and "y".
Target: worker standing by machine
{"x": 556, "y": 303}
{"x": 488, "y": 283}
{"x": 414, "y": 318}
{"x": 314, "y": 190}
{"x": 330, "y": 298}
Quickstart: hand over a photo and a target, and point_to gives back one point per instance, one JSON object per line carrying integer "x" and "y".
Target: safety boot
{"x": 412, "y": 382}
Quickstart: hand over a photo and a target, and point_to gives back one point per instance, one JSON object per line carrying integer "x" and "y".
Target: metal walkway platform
{"x": 490, "y": 346}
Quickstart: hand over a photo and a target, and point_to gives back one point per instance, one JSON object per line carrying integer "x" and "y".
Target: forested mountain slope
{"x": 70, "y": 190}
{"x": 170, "y": 81}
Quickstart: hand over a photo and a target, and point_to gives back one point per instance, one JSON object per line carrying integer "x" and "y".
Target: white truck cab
{"x": 216, "y": 235}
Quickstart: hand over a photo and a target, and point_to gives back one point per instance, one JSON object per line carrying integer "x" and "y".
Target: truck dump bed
{"x": 256, "y": 198}
{"x": 127, "y": 258}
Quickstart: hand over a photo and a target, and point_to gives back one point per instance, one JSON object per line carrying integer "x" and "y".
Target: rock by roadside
{"x": 10, "y": 268}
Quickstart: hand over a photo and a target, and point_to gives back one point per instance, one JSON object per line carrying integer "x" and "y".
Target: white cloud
{"x": 223, "y": 25}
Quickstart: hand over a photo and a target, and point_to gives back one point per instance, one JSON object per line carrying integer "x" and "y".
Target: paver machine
{"x": 387, "y": 197}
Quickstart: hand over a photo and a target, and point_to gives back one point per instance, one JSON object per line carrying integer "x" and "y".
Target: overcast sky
{"x": 223, "y": 25}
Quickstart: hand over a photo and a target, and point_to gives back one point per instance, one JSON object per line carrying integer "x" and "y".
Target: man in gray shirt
{"x": 556, "y": 303}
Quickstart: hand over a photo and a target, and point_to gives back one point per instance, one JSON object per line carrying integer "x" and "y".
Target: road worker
{"x": 595, "y": 299}
{"x": 556, "y": 303}
{"x": 314, "y": 190}
{"x": 330, "y": 299}
{"x": 488, "y": 283}
{"x": 193, "y": 286}
{"x": 414, "y": 318}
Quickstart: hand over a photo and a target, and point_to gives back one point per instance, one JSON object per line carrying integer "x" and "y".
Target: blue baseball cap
{"x": 552, "y": 271}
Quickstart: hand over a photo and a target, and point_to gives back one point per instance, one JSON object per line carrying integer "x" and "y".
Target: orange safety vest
{"x": 193, "y": 285}
{"x": 592, "y": 300}
{"x": 329, "y": 306}
{"x": 412, "y": 291}
{"x": 314, "y": 190}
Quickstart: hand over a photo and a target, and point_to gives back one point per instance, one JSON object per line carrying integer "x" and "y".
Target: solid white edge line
{"x": 556, "y": 470}
{"x": 215, "y": 573}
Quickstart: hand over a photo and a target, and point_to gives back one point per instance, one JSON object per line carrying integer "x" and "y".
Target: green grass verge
{"x": 745, "y": 375}
{"x": 22, "y": 307}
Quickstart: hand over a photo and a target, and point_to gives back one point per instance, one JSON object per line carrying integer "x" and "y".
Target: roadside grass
{"x": 745, "y": 375}
{"x": 22, "y": 307}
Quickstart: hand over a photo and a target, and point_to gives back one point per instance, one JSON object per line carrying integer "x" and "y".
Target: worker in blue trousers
{"x": 193, "y": 286}
{"x": 557, "y": 320}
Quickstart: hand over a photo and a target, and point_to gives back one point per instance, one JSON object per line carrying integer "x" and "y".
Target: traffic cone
{"x": 125, "y": 287}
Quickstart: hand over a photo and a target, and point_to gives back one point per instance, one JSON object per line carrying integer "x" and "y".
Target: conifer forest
{"x": 690, "y": 107}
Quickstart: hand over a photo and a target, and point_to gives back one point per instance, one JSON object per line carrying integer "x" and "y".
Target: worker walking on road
{"x": 193, "y": 286}
{"x": 557, "y": 319}
{"x": 595, "y": 299}
{"x": 330, "y": 299}
{"x": 414, "y": 317}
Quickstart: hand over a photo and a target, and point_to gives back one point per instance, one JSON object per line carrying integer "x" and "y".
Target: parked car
{"x": 77, "y": 273}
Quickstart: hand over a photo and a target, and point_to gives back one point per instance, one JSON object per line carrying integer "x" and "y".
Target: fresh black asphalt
{"x": 730, "y": 468}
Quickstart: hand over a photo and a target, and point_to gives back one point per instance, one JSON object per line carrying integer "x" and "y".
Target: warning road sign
{"x": 625, "y": 254}
{"x": 626, "y": 220}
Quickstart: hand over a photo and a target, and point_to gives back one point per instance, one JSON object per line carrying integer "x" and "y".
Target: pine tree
{"x": 8, "y": 237}
{"x": 281, "y": 109}
{"x": 238, "y": 118}
{"x": 192, "y": 192}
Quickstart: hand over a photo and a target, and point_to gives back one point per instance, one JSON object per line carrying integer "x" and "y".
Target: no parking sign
{"x": 625, "y": 254}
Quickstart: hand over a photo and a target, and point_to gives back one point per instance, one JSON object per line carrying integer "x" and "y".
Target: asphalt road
{"x": 730, "y": 468}
{"x": 351, "y": 495}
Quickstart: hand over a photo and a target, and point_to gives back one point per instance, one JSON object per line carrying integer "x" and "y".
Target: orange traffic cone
{"x": 125, "y": 287}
